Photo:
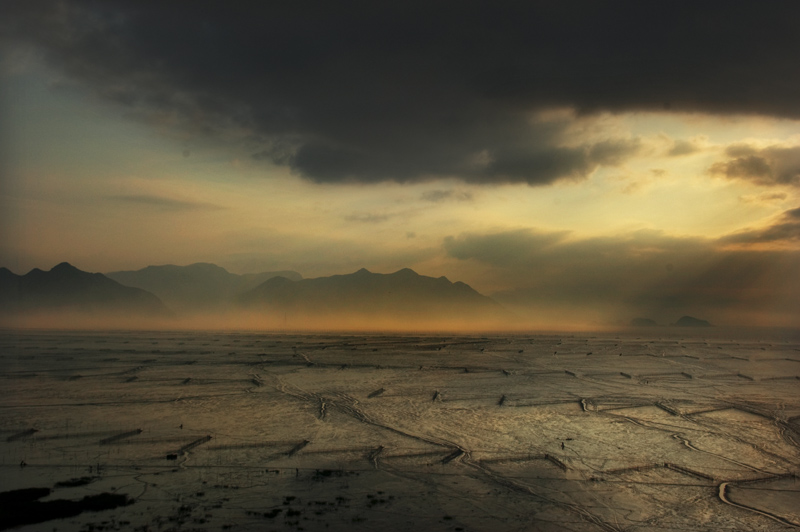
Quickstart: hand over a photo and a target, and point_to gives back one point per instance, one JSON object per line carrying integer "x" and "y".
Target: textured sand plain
{"x": 662, "y": 429}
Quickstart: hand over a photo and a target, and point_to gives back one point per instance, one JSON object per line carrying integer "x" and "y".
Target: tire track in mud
{"x": 723, "y": 487}
{"x": 662, "y": 385}
{"x": 519, "y": 488}
{"x": 706, "y": 429}
{"x": 779, "y": 425}
{"x": 349, "y": 406}
{"x": 788, "y": 432}
{"x": 723, "y": 496}
{"x": 688, "y": 444}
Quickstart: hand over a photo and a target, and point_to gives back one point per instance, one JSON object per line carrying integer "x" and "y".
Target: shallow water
{"x": 366, "y": 432}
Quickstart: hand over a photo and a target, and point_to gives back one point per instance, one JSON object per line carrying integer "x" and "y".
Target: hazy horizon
{"x": 582, "y": 165}
{"x": 223, "y": 313}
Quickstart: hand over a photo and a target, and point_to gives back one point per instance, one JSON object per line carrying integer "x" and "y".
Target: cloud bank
{"x": 412, "y": 91}
{"x": 644, "y": 273}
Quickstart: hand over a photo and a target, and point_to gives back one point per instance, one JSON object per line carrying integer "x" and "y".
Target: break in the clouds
{"x": 411, "y": 91}
{"x": 773, "y": 165}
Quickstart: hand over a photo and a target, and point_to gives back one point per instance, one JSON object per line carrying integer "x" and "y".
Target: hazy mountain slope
{"x": 66, "y": 289}
{"x": 689, "y": 321}
{"x": 404, "y": 296}
{"x": 643, "y": 322}
{"x": 198, "y": 287}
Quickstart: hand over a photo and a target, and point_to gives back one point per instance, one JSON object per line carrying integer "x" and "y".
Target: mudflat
{"x": 639, "y": 430}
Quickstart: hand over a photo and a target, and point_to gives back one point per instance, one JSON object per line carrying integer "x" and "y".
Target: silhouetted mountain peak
{"x": 66, "y": 271}
{"x": 66, "y": 289}
{"x": 368, "y": 297}
{"x": 198, "y": 268}
{"x": 207, "y": 267}
{"x": 198, "y": 287}
{"x": 64, "y": 267}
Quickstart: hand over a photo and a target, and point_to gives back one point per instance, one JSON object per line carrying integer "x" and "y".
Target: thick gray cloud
{"x": 642, "y": 273}
{"x": 774, "y": 165}
{"x": 409, "y": 91}
{"x": 535, "y": 165}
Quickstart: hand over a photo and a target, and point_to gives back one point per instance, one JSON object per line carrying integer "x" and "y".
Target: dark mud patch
{"x": 23, "y": 507}
{"x": 20, "y": 435}
{"x": 74, "y": 482}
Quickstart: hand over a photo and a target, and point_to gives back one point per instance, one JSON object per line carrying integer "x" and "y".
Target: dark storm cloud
{"x": 408, "y": 91}
{"x": 774, "y": 165}
{"x": 537, "y": 166}
{"x": 645, "y": 271}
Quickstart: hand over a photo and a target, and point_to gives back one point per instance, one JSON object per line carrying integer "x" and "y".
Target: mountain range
{"x": 67, "y": 290}
{"x": 197, "y": 288}
{"x": 359, "y": 300}
{"x": 363, "y": 296}
{"x": 683, "y": 321}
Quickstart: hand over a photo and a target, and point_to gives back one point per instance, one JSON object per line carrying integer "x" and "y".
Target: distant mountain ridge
{"x": 403, "y": 295}
{"x": 683, "y": 321}
{"x": 199, "y": 287}
{"x": 689, "y": 321}
{"x": 362, "y": 300}
{"x": 66, "y": 289}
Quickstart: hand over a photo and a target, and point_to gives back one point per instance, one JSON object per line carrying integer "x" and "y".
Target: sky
{"x": 585, "y": 161}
